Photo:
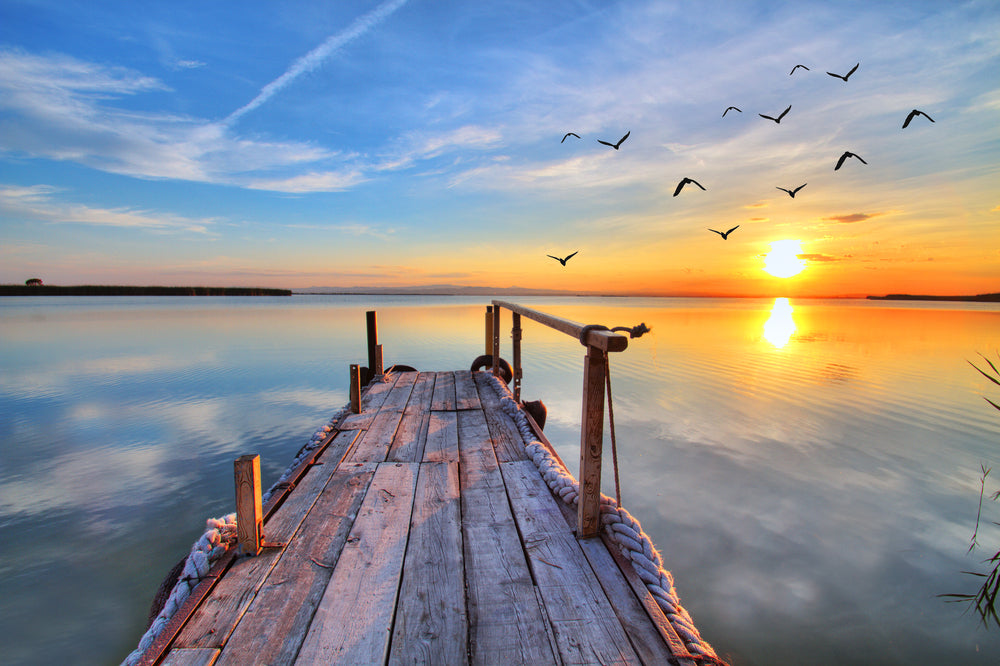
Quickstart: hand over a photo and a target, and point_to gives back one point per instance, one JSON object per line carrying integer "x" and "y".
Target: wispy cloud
{"x": 317, "y": 56}
{"x": 851, "y": 218}
{"x": 38, "y": 202}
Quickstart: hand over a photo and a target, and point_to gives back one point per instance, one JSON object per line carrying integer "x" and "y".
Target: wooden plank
{"x": 444, "y": 393}
{"x": 376, "y": 393}
{"x": 442, "y": 438}
{"x": 400, "y": 393}
{"x": 466, "y": 394}
{"x": 505, "y": 620}
{"x": 249, "y": 510}
{"x": 642, "y": 633}
{"x": 374, "y": 445}
{"x": 431, "y": 626}
{"x": 275, "y": 624}
{"x": 214, "y": 620}
{"x": 586, "y": 628}
{"x": 354, "y": 619}
{"x": 191, "y": 657}
{"x": 603, "y": 340}
{"x": 411, "y": 434}
{"x": 506, "y": 438}
{"x": 591, "y": 442}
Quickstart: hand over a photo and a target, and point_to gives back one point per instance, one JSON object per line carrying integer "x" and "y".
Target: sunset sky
{"x": 415, "y": 142}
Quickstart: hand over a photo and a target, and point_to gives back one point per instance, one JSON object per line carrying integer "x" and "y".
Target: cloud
{"x": 327, "y": 181}
{"x": 38, "y": 202}
{"x": 821, "y": 257}
{"x": 317, "y": 56}
{"x": 853, "y": 217}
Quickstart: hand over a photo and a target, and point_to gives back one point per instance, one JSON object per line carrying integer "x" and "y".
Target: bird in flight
{"x": 843, "y": 157}
{"x": 568, "y": 135}
{"x": 684, "y": 182}
{"x": 563, "y": 261}
{"x": 725, "y": 234}
{"x": 914, "y": 114}
{"x": 796, "y": 67}
{"x": 732, "y": 108}
{"x": 778, "y": 119}
{"x": 791, "y": 193}
{"x": 616, "y": 146}
{"x": 845, "y": 76}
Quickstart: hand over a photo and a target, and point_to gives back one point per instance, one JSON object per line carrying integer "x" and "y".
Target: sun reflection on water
{"x": 780, "y": 326}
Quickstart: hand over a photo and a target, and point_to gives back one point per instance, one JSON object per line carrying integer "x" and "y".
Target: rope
{"x": 621, "y": 527}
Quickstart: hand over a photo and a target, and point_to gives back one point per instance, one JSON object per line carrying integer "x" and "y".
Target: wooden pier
{"x": 419, "y": 532}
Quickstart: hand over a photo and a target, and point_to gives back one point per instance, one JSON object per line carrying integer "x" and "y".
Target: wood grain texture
{"x": 374, "y": 444}
{"x": 505, "y": 621}
{"x": 275, "y": 624}
{"x": 353, "y": 621}
{"x": 444, "y": 392}
{"x": 411, "y": 434}
{"x": 191, "y": 657}
{"x": 591, "y": 443}
{"x": 431, "y": 626}
{"x": 442, "y": 438}
{"x": 466, "y": 393}
{"x": 507, "y": 439}
{"x": 399, "y": 395}
{"x": 586, "y": 628}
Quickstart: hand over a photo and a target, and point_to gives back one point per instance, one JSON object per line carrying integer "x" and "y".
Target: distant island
{"x": 121, "y": 290}
{"x": 981, "y": 298}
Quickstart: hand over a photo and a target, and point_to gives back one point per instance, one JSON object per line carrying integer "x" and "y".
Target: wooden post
{"x": 372, "y": 338}
{"x": 355, "y": 389}
{"x": 249, "y": 513}
{"x": 496, "y": 341}
{"x": 378, "y": 361}
{"x": 515, "y": 335}
{"x": 489, "y": 329}
{"x": 591, "y": 443}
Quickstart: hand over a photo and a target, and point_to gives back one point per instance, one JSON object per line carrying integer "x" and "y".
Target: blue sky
{"x": 407, "y": 142}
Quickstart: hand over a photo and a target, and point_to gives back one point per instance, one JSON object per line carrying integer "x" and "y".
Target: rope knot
{"x": 585, "y": 331}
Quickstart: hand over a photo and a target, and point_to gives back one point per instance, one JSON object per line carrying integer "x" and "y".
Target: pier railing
{"x": 595, "y": 373}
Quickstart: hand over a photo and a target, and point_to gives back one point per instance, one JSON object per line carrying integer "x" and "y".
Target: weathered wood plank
{"x": 586, "y": 628}
{"x": 213, "y": 622}
{"x": 431, "y": 626}
{"x": 371, "y": 401}
{"x": 355, "y": 615}
{"x": 506, "y": 439}
{"x": 191, "y": 657}
{"x": 647, "y": 641}
{"x": 274, "y": 626}
{"x": 444, "y": 392}
{"x": 400, "y": 393}
{"x": 374, "y": 445}
{"x": 466, "y": 394}
{"x": 500, "y": 595}
{"x": 408, "y": 441}
{"x": 442, "y": 438}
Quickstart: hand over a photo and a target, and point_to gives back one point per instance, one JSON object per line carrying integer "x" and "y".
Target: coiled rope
{"x": 219, "y": 537}
{"x": 620, "y": 526}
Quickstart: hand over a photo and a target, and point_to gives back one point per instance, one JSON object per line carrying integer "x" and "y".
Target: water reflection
{"x": 778, "y": 329}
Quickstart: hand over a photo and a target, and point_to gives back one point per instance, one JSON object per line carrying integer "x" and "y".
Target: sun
{"x": 783, "y": 261}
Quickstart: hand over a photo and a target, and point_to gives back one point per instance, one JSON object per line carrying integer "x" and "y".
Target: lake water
{"x": 809, "y": 470}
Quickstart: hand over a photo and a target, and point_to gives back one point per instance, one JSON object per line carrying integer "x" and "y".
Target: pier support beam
{"x": 591, "y": 443}
{"x": 249, "y": 512}
{"x": 372, "y": 324}
{"x": 355, "y": 389}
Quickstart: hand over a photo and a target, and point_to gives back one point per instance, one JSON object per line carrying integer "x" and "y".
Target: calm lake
{"x": 809, "y": 470}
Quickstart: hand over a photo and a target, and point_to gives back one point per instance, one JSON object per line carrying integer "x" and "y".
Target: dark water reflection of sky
{"x": 809, "y": 470}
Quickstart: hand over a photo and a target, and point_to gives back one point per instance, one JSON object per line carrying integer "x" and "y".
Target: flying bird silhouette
{"x": 568, "y": 135}
{"x": 796, "y": 67}
{"x": 725, "y": 234}
{"x": 616, "y": 146}
{"x": 563, "y": 261}
{"x": 684, "y": 182}
{"x": 845, "y": 76}
{"x": 914, "y": 114}
{"x": 843, "y": 157}
{"x": 732, "y": 108}
{"x": 791, "y": 193}
{"x": 778, "y": 119}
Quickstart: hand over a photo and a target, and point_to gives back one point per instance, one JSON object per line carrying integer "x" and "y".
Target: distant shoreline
{"x": 120, "y": 290}
{"x": 979, "y": 298}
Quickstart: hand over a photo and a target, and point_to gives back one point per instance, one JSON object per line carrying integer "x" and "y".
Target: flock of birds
{"x": 777, "y": 119}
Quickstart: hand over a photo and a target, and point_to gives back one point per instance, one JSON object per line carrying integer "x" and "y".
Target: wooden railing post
{"x": 591, "y": 443}
{"x": 249, "y": 513}
{"x": 378, "y": 361}
{"x": 355, "y": 389}
{"x": 515, "y": 335}
{"x": 496, "y": 340}
{"x": 489, "y": 330}
{"x": 372, "y": 327}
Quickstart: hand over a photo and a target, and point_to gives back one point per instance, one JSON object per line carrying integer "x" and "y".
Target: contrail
{"x": 315, "y": 58}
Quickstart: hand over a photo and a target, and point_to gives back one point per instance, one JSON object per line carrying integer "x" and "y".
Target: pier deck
{"x": 421, "y": 534}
